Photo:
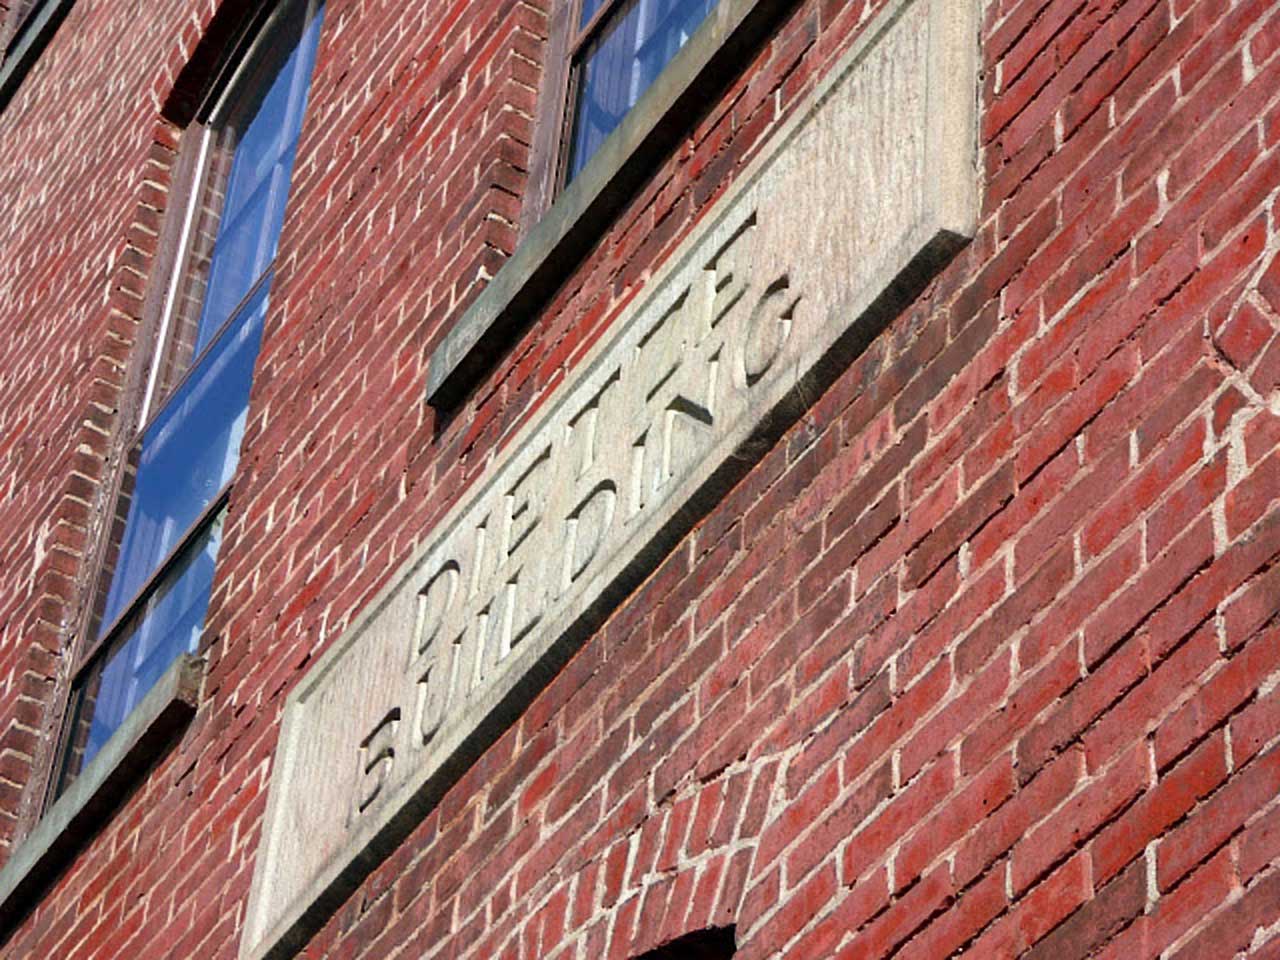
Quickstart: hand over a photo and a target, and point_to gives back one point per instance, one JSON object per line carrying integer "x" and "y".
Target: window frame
{"x": 549, "y": 136}
{"x": 146, "y": 415}
{"x": 145, "y": 400}
{"x": 558, "y": 230}
{"x": 576, "y": 38}
{"x": 553, "y": 130}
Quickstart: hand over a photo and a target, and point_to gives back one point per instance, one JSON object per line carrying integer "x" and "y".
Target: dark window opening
{"x": 715, "y": 944}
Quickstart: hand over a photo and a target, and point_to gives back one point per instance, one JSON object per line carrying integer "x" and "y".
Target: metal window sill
{"x": 78, "y": 814}
{"x": 582, "y": 213}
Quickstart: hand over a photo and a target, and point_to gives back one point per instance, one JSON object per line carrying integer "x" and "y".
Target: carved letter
{"x": 377, "y": 757}
{"x": 584, "y": 429}
{"x": 500, "y": 625}
{"x": 767, "y": 330}
{"x": 434, "y": 693}
{"x": 526, "y": 503}
{"x": 689, "y": 423}
{"x": 678, "y": 394}
{"x": 432, "y": 656}
{"x": 588, "y": 529}
{"x": 435, "y": 603}
{"x": 731, "y": 268}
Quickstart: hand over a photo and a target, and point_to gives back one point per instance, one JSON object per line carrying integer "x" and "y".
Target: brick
{"x": 906, "y": 914}
{"x": 1029, "y": 698}
{"x": 1021, "y": 606}
{"x": 850, "y": 912}
{"x": 1269, "y": 287}
{"x": 1084, "y": 704}
{"x": 1259, "y": 845}
{"x": 805, "y": 810}
{"x": 1242, "y": 338}
{"x": 1265, "y": 376}
{"x": 1011, "y": 820}
{"x": 1175, "y": 792}
{"x": 1238, "y": 564}
{"x": 1080, "y": 401}
{"x": 1089, "y": 593}
{"x": 985, "y": 636}
{"x": 1217, "y": 698}
{"x": 977, "y": 599}
{"x": 844, "y": 547}
{"x": 703, "y": 904}
{"x": 1187, "y": 503}
{"x": 1080, "y": 817}
{"x": 849, "y": 639}
{"x": 949, "y": 725}
{"x": 1143, "y": 708}
{"x": 1164, "y": 575}
{"x": 1044, "y": 907}
{"x": 1214, "y": 821}
{"x": 1175, "y": 913}
{"x": 1181, "y": 454}
{"x": 894, "y": 723}
{"x": 1262, "y": 435}
{"x": 1236, "y": 927}
{"x": 872, "y": 838}
{"x": 1257, "y": 725}
{"x": 1253, "y": 496}
{"x": 1029, "y": 502}
{"x": 1226, "y": 80}
{"x": 947, "y": 931}
{"x": 970, "y": 805}
{"x": 1111, "y": 908}
{"x": 845, "y": 725}
{"x": 798, "y": 910}
{"x": 838, "y": 821}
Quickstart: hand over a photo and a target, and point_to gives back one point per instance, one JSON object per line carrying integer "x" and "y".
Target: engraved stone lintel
{"x": 854, "y": 204}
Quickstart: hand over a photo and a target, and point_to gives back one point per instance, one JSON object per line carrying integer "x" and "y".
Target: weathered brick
{"x": 1212, "y": 823}
{"x": 1173, "y": 795}
{"x": 1081, "y": 816}
{"x": 988, "y": 630}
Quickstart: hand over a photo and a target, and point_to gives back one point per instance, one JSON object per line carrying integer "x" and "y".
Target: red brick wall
{"x": 79, "y": 232}
{"x": 982, "y": 657}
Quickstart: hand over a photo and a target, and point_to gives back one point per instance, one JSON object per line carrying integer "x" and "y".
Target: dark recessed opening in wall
{"x": 713, "y": 944}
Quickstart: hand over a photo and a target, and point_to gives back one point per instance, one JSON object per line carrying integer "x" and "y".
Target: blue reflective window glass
{"x": 165, "y": 626}
{"x": 152, "y": 606}
{"x": 266, "y": 133}
{"x": 187, "y": 454}
{"x": 618, "y": 66}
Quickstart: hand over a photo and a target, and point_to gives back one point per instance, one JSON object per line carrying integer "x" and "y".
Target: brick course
{"x": 980, "y": 660}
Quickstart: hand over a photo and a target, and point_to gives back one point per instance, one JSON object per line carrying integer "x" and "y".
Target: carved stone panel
{"x": 855, "y": 203}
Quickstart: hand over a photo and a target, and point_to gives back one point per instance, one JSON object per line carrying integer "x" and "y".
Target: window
{"x": 606, "y": 55}
{"x": 595, "y": 143}
{"x": 158, "y": 570}
{"x": 619, "y": 49}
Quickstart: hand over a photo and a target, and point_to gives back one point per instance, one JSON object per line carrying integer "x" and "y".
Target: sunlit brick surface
{"x": 982, "y": 658}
